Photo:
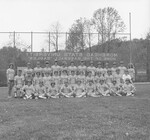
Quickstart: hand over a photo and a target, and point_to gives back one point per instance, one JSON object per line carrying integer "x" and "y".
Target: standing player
{"x": 99, "y": 69}
{"x": 64, "y": 67}
{"x": 113, "y": 69}
{"x": 56, "y": 79}
{"x": 28, "y": 69}
{"x": 109, "y": 77}
{"x": 19, "y": 82}
{"x": 126, "y": 76}
{"x": 91, "y": 68}
{"x": 105, "y": 69}
{"x": 81, "y": 77}
{"x": 82, "y": 67}
{"x": 55, "y": 67}
{"x": 72, "y": 79}
{"x": 122, "y": 68}
{"x": 72, "y": 67}
{"x": 10, "y": 73}
{"x": 47, "y": 69}
{"x": 46, "y": 80}
{"x": 118, "y": 76}
{"x": 38, "y": 68}
{"x": 131, "y": 71}
{"x": 37, "y": 79}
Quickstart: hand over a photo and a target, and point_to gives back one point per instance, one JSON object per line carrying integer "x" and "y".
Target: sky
{"x": 38, "y": 15}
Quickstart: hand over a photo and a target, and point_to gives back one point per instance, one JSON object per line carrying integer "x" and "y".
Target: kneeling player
{"x": 128, "y": 88}
{"x": 19, "y": 82}
{"x": 40, "y": 91}
{"x": 53, "y": 91}
{"x": 91, "y": 89}
{"x": 102, "y": 88}
{"x": 79, "y": 90}
{"x": 66, "y": 90}
{"x": 28, "y": 91}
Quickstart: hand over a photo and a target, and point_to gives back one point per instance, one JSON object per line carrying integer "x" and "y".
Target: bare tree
{"x": 54, "y": 35}
{"x": 108, "y": 23}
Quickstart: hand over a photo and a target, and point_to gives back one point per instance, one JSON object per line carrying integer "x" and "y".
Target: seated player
{"x": 53, "y": 91}
{"x": 72, "y": 79}
{"x": 91, "y": 89}
{"x": 40, "y": 91}
{"x": 66, "y": 90}
{"x": 109, "y": 77}
{"x": 114, "y": 88}
{"x": 102, "y": 88}
{"x": 71, "y": 68}
{"x": 79, "y": 90}
{"x": 37, "y": 79}
{"x": 128, "y": 88}
{"x": 28, "y": 91}
{"x": 46, "y": 80}
{"x": 64, "y": 67}
{"x": 19, "y": 82}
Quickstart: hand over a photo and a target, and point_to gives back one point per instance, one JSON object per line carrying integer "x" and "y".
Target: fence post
{"x": 31, "y": 41}
{"x": 49, "y": 42}
{"x": 14, "y": 39}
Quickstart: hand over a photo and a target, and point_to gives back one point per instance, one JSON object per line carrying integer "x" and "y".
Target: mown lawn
{"x": 105, "y": 118}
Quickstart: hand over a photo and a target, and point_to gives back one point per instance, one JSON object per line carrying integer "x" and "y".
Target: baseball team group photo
{"x": 74, "y": 70}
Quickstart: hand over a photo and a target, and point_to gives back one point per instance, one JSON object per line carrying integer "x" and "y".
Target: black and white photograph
{"x": 74, "y": 69}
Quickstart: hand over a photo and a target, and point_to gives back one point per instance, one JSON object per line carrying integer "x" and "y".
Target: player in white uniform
{"x": 28, "y": 70}
{"x": 10, "y": 73}
{"x": 19, "y": 82}
{"x": 82, "y": 67}
{"x": 89, "y": 77}
{"x": 47, "y": 69}
{"x": 66, "y": 90}
{"x": 91, "y": 89}
{"x": 131, "y": 71}
{"x": 79, "y": 90}
{"x": 37, "y": 79}
{"x": 46, "y": 80}
{"x": 64, "y": 77}
{"x": 99, "y": 69}
{"x": 118, "y": 76}
{"x": 91, "y": 68}
{"x": 114, "y": 67}
{"x": 56, "y": 79}
{"x": 38, "y": 68}
{"x": 72, "y": 79}
{"x": 128, "y": 88}
{"x": 72, "y": 67}
{"x": 122, "y": 68}
{"x": 109, "y": 76}
{"x": 53, "y": 91}
{"x": 55, "y": 67}
{"x": 81, "y": 77}
{"x": 40, "y": 91}
{"x": 105, "y": 69}
{"x": 126, "y": 76}
{"x": 102, "y": 88}
{"x": 28, "y": 90}
{"x": 114, "y": 88}
{"x": 64, "y": 67}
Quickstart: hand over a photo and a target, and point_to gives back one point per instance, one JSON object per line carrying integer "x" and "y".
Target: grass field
{"x": 105, "y": 118}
